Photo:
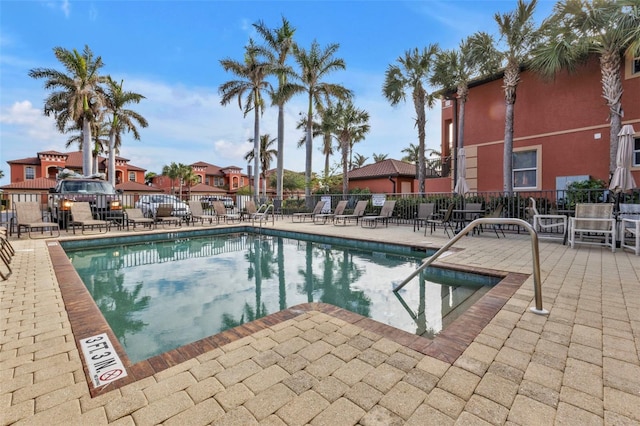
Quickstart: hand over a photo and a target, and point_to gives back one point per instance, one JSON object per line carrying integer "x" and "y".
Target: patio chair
{"x": 548, "y": 224}
{"x": 630, "y": 227}
{"x": 252, "y": 211}
{"x": 221, "y": 213}
{"x": 198, "y": 214}
{"x": 595, "y": 222}
{"x": 496, "y": 213}
{"x": 322, "y": 218}
{"x": 164, "y": 214}
{"x": 82, "y": 215}
{"x": 136, "y": 217}
{"x": 6, "y": 253}
{"x": 304, "y": 215}
{"x": 445, "y": 220}
{"x": 28, "y": 215}
{"x": 385, "y": 213}
{"x": 425, "y": 212}
{"x": 358, "y": 212}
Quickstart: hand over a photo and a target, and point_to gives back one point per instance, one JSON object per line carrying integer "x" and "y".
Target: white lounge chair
{"x": 630, "y": 227}
{"x": 551, "y": 226}
{"x": 593, "y": 224}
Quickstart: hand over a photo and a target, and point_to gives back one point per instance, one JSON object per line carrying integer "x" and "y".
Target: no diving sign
{"x": 102, "y": 360}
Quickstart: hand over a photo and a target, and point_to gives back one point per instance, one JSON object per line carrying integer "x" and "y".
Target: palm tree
{"x": 455, "y": 68}
{"x": 520, "y": 36}
{"x": 412, "y": 152}
{"x": 266, "y": 155}
{"x": 76, "y": 96}
{"x": 252, "y": 73}
{"x": 121, "y": 120}
{"x": 580, "y": 28}
{"x": 412, "y": 73}
{"x": 349, "y": 125}
{"x": 315, "y": 65}
{"x": 377, "y": 158}
{"x": 358, "y": 161}
{"x": 172, "y": 171}
{"x": 323, "y": 129}
{"x": 279, "y": 43}
{"x": 99, "y": 136}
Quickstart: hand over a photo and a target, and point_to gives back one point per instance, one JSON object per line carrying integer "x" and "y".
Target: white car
{"x": 149, "y": 204}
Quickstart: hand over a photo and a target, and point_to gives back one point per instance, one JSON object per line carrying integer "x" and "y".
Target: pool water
{"x": 160, "y": 295}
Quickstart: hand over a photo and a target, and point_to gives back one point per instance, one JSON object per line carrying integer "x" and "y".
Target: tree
{"x": 172, "y": 171}
{"x": 252, "y": 83}
{"x": 121, "y": 120}
{"x": 266, "y": 155}
{"x": 580, "y": 28}
{"x": 359, "y": 160}
{"x": 291, "y": 181}
{"x": 349, "y": 125}
{"x": 280, "y": 44}
{"x": 314, "y": 65}
{"x": 377, "y": 158}
{"x": 99, "y": 136}
{"x": 75, "y": 96}
{"x": 455, "y": 68}
{"x": 520, "y": 36}
{"x": 412, "y": 154}
{"x": 413, "y": 73}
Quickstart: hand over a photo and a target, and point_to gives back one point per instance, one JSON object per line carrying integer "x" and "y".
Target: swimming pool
{"x": 159, "y": 294}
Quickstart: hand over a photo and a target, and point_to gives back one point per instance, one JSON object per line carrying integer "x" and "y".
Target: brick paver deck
{"x": 322, "y": 366}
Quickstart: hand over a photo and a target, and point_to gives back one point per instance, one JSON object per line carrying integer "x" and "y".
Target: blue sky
{"x": 170, "y": 52}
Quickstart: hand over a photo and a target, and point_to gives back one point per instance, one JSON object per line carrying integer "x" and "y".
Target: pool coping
{"x": 86, "y": 320}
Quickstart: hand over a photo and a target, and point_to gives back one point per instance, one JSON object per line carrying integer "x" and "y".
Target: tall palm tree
{"x": 455, "y": 68}
{"x": 322, "y": 128}
{"x": 267, "y": 152}
{"x": 121, "y": 120}
{"x": 314, "y": 65}
{"x": 377, "y": 158}
{"x": 578, "y": 29}
{"x": 359, "y": 160}
{"x": 412, "y": 73}
{"x": 172, "y": 171}
{"x": 99, "y": 136}
{"x": 412, "y": 154}
{"x": 75, "y": 96}
{"x": 280, "y": 44}
{"x": 520, "y": 35}
{"x": 252, "y": 73}
{"x": 349, "y": 125}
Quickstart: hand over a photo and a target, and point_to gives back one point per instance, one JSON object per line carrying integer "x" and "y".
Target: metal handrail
{"x": 493, "y": 221}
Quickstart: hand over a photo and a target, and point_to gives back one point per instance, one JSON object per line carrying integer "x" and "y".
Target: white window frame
{"x": 538, "y": 168}
{"x": 636, "y": 152}
{"x": 132, "y": 176}
{"x": 29, "y": 173}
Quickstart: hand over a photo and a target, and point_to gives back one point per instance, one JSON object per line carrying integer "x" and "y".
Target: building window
{"x": 636, "y": 152}
{"x": 636, "y": 66}
{"x": 218, "y": 181}
{"x": 132, "y": 176}
{"x": 29, "y": 173}
{"x": 525, "y": 169}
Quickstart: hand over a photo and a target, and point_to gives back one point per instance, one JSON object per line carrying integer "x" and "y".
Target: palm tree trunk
{"x": 510, "y": 83}
{"x": 256, "y": 149}
{"x": 463, "y": 94}
{"x": 345, "y": 166}
{"x": 610, "y": 63}
{"x": 86, "y": 146}
{"x": 420, "y": 122}
{"x": 309, "y": 152}
{"x": 112, "y": 159}
{"x": 280, "y": 167}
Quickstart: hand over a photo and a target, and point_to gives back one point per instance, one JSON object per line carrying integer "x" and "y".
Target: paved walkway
{"x": 579, "y": 365}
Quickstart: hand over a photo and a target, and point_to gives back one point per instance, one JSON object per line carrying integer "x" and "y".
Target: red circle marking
{"x": 110, "y": 375}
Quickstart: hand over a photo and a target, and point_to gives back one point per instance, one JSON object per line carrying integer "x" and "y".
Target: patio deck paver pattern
{"x": 578, "y": 365}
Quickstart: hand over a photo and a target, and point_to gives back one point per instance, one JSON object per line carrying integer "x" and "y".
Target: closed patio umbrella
{"x": 622, "y": 180}
{"x": 461, "y": 183}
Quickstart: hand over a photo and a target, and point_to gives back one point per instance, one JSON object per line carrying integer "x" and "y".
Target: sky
{"x": 170, "y": 52}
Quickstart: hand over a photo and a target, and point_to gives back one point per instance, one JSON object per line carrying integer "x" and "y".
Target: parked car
{"x": 149, "y": 204}
{"x": 100, "y": 194}
{"x": 227, "y": 201}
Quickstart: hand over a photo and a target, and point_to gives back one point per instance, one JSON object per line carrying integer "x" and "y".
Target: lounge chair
{"x": 164, "y": 214}
{"x": 425, "y": 212}
{"x": 198, "y": 214}
{"x": 251, "y": 211}
{"x": 28, "y": 215}
{"x": 322, "y": 218}
{"x": 221, "y": 213}
{"x": 358, "y": 212}
{"x": 81, "y": 215}
{"x": 385, "y": 214}
{"x": 6, "y": 253}
{"x": 262, "y": 214}
{"x": 304, "y": 215}
{"x": 136, "y": 217}
{"x": 444, "y": 220}
{"x": 630, "y": 226}
{"x": 597, "y": 222}
{"x": 552, "y": 226}
{"x": 496, "y": 213}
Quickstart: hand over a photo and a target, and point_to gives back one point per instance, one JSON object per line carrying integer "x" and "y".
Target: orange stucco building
{"x": 561, "y": 129}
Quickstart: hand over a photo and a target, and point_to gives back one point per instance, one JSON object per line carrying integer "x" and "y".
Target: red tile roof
{"x": 201, "y": 187}
{"x": 38, "y": 183}
{"x": 137, "y": 187}
{"x": 384, "y": 168}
